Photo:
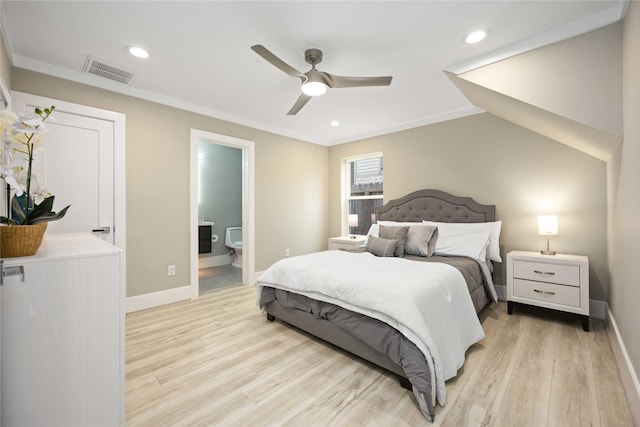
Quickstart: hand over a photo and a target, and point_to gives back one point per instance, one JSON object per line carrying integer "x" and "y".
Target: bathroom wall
{"x": 220, "y": 190}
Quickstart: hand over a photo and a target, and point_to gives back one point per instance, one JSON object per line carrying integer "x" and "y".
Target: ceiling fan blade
{"x": 345, "y": 81}
{"x": 302, "y": 100}
{"x": 279, "y": 63}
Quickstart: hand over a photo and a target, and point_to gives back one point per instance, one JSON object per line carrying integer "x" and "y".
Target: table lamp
{"x": 548, "y": 226}
{"x": 353, "y": 222}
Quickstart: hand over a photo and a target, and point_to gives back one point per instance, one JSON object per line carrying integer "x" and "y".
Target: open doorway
{"x": 232, "y": 257}
{"x": 220, "y": 246}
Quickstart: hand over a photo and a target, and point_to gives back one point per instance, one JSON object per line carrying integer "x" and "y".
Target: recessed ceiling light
{"x": 335, "y": 123}
{"x": 138, "y": 52}
{"x": 476, "y": 36}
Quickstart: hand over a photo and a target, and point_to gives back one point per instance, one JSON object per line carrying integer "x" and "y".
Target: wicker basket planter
{"x": 21, "y": 240}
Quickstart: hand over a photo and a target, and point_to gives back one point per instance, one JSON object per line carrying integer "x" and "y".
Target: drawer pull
{"x": 544, "y": 292}
{"x": 546, "y": 273}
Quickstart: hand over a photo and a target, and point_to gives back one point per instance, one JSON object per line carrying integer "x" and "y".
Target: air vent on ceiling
{"x": 109, "y": 71}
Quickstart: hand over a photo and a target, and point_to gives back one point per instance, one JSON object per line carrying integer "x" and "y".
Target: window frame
{"x": 345, "y": 195}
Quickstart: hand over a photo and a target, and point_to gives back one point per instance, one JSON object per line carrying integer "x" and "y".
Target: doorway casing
{"x": 248, "y": 203}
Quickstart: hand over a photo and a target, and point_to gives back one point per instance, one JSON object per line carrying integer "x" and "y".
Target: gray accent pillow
{"x": 421, "y": 240}
{"x": 398, "y": 233}
{"x": 381, "y": 247}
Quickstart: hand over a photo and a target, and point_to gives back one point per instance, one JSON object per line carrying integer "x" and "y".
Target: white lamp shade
{"x": 353, "y": 220}
{"x": 548, "y": 225}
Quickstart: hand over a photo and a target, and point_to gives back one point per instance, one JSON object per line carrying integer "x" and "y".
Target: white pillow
{"x": 374, "y": 231}
{"x": 493, "y": 252}
{"x": 418, "y": 237}
{"x": 472, "y": 244}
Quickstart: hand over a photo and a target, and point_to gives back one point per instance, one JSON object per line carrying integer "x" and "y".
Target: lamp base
{"x": 547, "y": 252}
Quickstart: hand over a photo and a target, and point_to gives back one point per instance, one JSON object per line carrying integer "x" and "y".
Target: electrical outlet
{"x": 286, "y": 252}
{"x": 171, "y": 270}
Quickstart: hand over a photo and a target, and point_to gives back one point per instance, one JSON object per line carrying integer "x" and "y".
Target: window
{"x": 363, "y": 182}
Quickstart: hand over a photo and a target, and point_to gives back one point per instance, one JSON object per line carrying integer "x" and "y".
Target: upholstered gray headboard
{"x": 435, "y": 205}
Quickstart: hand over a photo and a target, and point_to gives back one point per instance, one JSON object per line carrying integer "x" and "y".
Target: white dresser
{"x": 62, "y": 324}
{"x": 558, "y": 282}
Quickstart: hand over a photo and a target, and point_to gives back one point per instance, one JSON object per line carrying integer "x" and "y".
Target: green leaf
{"x": 17, "y": 209}
{"x": 44, "y": 207}
{"x": 8, "y": 221}
{"x": 51, "y": 216}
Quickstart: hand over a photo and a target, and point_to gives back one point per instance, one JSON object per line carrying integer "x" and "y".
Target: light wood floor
{"x": 218, "y": 361}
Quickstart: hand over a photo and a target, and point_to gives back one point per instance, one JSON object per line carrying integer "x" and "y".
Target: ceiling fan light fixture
{"x": 314, "y": 88}
{"x": 315, "y": 85}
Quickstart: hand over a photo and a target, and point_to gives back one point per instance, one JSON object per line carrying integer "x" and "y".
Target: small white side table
{"x": 558, "y": 282}
{"x": 346, "y": 242}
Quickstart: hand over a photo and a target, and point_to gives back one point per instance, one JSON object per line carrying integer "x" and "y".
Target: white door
{"x": 77, "y": 165}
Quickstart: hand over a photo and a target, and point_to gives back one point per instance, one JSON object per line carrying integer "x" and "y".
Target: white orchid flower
{"x": 21, "y": 137}
{"x": 19, "y": 189}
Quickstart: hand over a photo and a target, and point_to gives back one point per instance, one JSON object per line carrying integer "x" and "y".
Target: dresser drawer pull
{"x": 546, "y": 273}
{"x": 544, "y": 292}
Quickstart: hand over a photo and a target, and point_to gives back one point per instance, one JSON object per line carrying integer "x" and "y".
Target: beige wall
{"x": 579, "y": 78}
{"x": 291, "y": 183}
{"x": 624, "y": 198}
{"x": 496, "y": 162}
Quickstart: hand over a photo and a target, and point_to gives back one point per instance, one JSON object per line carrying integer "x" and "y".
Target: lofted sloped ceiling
{"x": 570, "y": 91}
{"x": 200, "y": 57}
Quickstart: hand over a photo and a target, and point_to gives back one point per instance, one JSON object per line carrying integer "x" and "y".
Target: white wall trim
{"x": 155, "y": 299}
{"x": 572, "y": 29}
{"x": 627, "y": 373}
{"x": 214, "y": 261}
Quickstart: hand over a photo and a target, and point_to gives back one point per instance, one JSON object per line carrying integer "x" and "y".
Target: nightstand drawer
{"x": 540, "y": 291}
{"x": 340, "y": 245}
{"x": 547, "y": 272}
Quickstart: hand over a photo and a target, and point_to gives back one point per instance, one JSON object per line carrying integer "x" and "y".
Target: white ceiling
{"x": 201, "y": 58}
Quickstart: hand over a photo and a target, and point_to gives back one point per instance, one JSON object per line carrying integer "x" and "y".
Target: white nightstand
{"x": 346, "y": 242}
{"x": 559, "y": 282}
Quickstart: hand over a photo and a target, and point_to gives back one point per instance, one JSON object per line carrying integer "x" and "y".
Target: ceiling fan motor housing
{"x": 313, "y": 56}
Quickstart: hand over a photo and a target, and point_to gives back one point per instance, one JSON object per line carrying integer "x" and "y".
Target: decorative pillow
{"x": 397, "y": 233}
{"x": 381, "y": 247}
{"x": 423, "y": 240}
{"x": 373, "y": 231}
{"x": 472, "y": 244}
{"x": 493, "y": 252}
{"x": 419, "y": 238}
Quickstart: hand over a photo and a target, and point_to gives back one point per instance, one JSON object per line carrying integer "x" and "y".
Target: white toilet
{"x": 233, "y": 240}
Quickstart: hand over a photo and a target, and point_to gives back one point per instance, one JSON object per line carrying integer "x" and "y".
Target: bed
{"x": 334, "y": 295}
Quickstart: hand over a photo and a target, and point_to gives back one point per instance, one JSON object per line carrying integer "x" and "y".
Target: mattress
{"x": 402, "y": 356}
{"x": 471, "y": 272}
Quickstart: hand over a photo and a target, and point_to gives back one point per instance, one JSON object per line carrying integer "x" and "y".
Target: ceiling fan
{"x": 314, "y": 82}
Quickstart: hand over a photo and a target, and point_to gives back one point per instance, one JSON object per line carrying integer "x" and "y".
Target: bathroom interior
{"x": 219, "y": 216}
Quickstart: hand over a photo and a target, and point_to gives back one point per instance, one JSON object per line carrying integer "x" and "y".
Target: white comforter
{"x": 428, "y": 302}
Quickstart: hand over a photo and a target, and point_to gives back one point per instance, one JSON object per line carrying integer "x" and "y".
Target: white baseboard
{"x": 597, "y": 309}
{"x": 214, "y": 261}
{"x": 155, "y": 299}
{"x": 627, "y": 373}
